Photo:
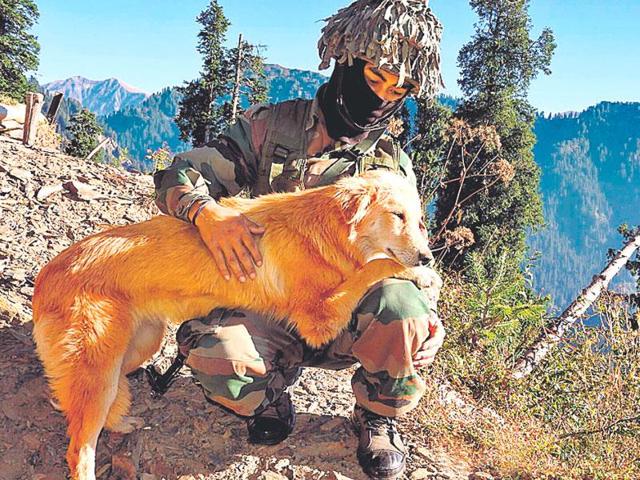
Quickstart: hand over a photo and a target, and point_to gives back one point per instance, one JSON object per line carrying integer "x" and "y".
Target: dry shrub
{"x": 575, "y": 417}
{"x": 589, "y": 392}
{"x": 517, "y": 446}
{"x": 47, "y": 137}
{"x": 396, "y": 127}
{"x": 503, "y": 170}
{"x": 460, "y": 238}
{"x": 6, "y": 100}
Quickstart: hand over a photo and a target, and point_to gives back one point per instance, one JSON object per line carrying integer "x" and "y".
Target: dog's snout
{"x": 425, "y": 258}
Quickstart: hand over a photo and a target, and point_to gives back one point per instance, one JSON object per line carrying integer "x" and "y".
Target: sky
{"x": 150, "y": 44}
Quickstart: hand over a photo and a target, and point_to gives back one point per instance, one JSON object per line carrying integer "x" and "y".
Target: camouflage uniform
{"x": 245, "y": 362}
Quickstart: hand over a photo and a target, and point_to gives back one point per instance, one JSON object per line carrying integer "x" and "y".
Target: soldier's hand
{"x": 232, "y": 239}
{"x": 427, "y": 353}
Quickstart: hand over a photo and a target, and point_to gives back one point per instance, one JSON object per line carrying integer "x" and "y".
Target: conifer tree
{"x": 497, "y": 67}
{"x": 18, "y": 48}
{"x": 200, "y": 117}
{"x": 206, "y": 106}
{"x": 85, "y": 135}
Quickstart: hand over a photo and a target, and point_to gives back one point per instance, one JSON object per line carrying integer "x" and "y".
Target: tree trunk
{"x": 236, "y": 87}
{"x": 554, "y": 334}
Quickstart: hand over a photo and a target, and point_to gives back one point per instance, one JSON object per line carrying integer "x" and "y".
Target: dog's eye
{"x": 400, "y": 215}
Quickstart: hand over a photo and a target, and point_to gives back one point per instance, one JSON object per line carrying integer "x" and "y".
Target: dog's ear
{"x": 355, "y": 196}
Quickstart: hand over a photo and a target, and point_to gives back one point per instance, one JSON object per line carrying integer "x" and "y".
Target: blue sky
{"x": 150, "y": 44}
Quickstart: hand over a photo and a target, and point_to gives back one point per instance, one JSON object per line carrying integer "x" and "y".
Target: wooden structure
{"x": 33, "y": 102}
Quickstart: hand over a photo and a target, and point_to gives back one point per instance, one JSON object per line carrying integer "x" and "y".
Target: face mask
{"x": 351, "y": 109}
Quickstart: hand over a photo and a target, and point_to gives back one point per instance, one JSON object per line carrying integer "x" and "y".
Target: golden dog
{"x": 101, "y": 306}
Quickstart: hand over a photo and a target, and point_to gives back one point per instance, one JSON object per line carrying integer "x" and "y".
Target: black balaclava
{"x": 351, "y": 109}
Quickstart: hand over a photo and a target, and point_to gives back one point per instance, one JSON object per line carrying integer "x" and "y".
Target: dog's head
{"x": 385, "y": 216}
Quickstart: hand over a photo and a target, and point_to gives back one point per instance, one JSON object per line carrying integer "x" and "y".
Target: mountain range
{"x": 141, "y": 122}
{"x": 590, "y": 163}
{"x": 102, "y": 97}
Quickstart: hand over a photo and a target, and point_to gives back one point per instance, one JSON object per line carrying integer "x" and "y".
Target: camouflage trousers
{"x": 244, "y": 362}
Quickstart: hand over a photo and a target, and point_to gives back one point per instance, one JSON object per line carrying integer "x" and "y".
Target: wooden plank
{"x": 34, "y": 103}
{"x": 54, "y": 107}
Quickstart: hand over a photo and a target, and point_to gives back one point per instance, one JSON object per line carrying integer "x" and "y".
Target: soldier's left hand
{"x": 430, "y": 283}
{"x": 427, "y": 353}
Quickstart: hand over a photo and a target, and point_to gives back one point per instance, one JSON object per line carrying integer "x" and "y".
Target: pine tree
{"x": 18, "y": 48}
{"x": 200, "y": 117}
{"x": 206, "y": 107}
{"x": 85, "y": 135}
{"x": 429, "y": 147}
{"x": 254, "y": 79}
{"x": 497, "y": 67}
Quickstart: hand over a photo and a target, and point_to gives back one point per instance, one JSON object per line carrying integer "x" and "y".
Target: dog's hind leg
{"x": 90, "y": 398}
{"x": 90, "y": 385}
{"x": 145, "y": 342}
{"x": 116, "y": 420}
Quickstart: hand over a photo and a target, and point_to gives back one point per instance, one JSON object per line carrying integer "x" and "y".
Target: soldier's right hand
{"x": 232, "y": 239}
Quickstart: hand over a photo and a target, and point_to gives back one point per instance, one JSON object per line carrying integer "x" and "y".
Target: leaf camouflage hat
{"x": 401, "y": 36}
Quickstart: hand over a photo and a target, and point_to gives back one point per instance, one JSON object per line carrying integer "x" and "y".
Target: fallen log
{"x": 556, "y": 331}
{"x": 98, "y": 148}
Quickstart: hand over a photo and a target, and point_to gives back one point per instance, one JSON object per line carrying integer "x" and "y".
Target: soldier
{"x": 384, "y": 50}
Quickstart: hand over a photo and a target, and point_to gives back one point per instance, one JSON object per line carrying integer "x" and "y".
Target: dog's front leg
{"x": 426, "y": 279}
{"x": 332, "y": 314}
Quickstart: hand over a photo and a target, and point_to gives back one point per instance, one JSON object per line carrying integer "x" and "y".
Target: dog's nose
{"x": 425, "y": 258}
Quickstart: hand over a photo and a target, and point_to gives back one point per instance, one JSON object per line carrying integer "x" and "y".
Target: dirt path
{"x": 183, "y": 437}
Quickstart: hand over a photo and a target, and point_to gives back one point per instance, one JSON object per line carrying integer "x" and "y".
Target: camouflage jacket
{"x": 242, "y": 156}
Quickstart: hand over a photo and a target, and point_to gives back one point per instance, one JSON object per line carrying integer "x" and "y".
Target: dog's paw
{"x": 427, "y": 280}
{"x": 127, "y": 425}
{"x": 319, "y": 334}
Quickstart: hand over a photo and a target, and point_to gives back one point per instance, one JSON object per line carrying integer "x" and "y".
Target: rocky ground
{"x": 47, "y": 201}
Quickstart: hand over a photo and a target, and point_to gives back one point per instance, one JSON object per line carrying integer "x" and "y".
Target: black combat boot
{"x": 274, "y": 424}
{"x": 380, "y": 450}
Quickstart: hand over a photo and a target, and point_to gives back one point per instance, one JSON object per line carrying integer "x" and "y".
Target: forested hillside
{"x": 147, "y": 126}
{"x": 590, "y": 184}
{"x": 150, "y": 124}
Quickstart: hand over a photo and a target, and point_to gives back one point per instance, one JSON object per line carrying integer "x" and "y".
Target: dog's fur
{"x": 101, "y": 306}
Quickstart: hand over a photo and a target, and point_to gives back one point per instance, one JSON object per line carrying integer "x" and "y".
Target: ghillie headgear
{"x": 401, "y": 36}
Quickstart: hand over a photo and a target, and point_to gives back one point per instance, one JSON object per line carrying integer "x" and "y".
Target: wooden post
{"x": 33, "y": 103}
{"x": 236, "y": 87}
{"x": 554, "y": 334}
{"x": 54, "y": 107}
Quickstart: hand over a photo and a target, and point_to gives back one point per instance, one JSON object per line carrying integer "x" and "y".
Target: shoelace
{"x": 378, "y": 423}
